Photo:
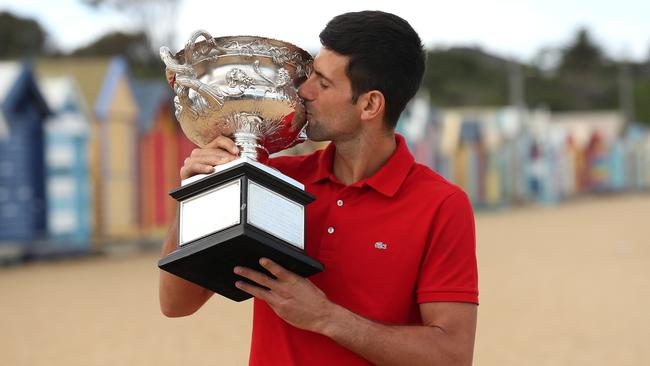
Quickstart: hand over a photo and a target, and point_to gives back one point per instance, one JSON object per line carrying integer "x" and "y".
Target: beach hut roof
{"x": 13, "y": 77}
{"x": 62, "y": 94}
{"x": 89, "y": 73}
{"x": 470, "y": 131}
{"x": 149, "y": 96}
{"x": 64, "y": 98}
{"x": 117, "y": 69}
{"x": 8, "y": 73}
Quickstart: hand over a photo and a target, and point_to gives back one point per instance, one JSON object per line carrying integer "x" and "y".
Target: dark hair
{"x": 385, "y": 53}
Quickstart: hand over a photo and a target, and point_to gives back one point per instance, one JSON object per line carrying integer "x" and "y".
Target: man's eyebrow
{"x": 320, "y": 75}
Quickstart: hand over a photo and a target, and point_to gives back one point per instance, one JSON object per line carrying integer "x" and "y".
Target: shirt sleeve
{"x": 449, "y": 268}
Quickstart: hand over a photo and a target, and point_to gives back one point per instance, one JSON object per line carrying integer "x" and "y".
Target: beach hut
{"x": 616, "y": 165}
{"x": 637, "y": 157}
{"x": 596, "y": 156}
{"x": 158, "y": 156}
{"x": 116, "y": 112}
{"x": 22, "y": 165}
{"x": 470, "y": 160}
{"x": 449, "y": 124}
{"x": 68, "y": 186}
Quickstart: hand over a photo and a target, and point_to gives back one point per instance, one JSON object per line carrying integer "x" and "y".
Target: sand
{"x": 561, "y": 285}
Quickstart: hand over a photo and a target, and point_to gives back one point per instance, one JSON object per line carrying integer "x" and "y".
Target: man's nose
{"x": 305, "y": 90}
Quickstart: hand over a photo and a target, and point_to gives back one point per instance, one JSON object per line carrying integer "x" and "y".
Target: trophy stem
{"x": 248, "y": 145}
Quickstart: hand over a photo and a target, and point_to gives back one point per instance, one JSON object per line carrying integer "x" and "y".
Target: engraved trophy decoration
{"x": 243, "y": 87}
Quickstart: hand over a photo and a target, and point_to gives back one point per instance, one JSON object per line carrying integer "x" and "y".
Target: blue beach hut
{"x": 22, "y": 166}
{"x": 67, "y": 175}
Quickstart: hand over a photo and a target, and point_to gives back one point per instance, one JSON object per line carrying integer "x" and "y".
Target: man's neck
{"x": 362, "y": 156}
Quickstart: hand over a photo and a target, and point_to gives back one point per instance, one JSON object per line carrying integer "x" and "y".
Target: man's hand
{"x": 202, "y": 161}
{"x": 295, "y": 299}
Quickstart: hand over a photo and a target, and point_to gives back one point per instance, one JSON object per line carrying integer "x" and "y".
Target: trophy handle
{"x": 189, "y": 45}
{"x": 173, "y": 67}
{"x": 182, "y": 78}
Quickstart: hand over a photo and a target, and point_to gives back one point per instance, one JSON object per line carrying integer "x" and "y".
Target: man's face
{"x": 328, "y": 99}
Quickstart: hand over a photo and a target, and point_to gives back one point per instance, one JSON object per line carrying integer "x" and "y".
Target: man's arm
{"x": 179, "y": 297}
{"x": 445, "y": 338}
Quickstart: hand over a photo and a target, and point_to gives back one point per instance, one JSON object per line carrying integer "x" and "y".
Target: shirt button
{"x": 339, "y": 203}
{"x": 330, "y": 230}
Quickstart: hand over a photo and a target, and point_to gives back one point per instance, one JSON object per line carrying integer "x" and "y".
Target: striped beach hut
{"x": 616, "y": 165}
{"x": 637, "y": 157}
{"x": 116, "y": 114}
{"x": 470, "y": 160}
{"x": 22, "y": 165}
{"x": 68, "y": 180}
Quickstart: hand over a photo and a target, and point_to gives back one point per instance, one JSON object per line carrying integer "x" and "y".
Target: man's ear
{"x": 372, "y": 105}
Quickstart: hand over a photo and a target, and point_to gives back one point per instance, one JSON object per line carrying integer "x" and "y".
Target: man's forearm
{"x": 446, "y": 338}
{"x": 178, "y": 297}
{"x": 171, "y": 239}
{"x": 395, "y": 345}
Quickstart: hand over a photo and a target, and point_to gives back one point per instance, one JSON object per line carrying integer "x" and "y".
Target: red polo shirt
{"x": 401, "y": 237}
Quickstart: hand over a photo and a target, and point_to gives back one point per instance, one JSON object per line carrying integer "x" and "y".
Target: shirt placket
{"x": 338, "y": 216}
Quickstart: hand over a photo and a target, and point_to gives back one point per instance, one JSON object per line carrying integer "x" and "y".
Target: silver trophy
{"x": 243, "y": 87}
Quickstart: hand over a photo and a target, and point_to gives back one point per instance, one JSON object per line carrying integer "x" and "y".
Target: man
{"x": 396, "y": 239}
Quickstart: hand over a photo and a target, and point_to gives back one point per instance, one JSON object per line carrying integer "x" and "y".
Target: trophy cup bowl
{"x": 243, "y": 86}
{"x": 246, "y": 88}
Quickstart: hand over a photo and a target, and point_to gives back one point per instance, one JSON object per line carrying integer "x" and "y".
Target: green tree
{"x": 642, "y": 100}
{"x": 583, "y": 78}
{"x": 135, "y": 47}
{"x": 583, "y": 55}
{"x": 466, "y": 76}
{"x": 641, "y": 82}
{"x": 20, "y": 37}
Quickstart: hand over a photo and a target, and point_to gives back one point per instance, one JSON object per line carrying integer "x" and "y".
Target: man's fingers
{"x": 208, "y": 151}
{"x": 256, "y": 291}
{"x": 225, "y": 143}
{"x": 201, "y": 168}
{"x": 279, "y": 272}
{"x": 211, "y": 156}
{"x": 192, "y": 169}
{"x": 257, "y": 277}
{"x": 204, "y": 163}
{"x": 219, "y": 151}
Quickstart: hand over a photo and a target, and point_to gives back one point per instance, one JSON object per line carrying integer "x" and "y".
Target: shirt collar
{"x": 387, "y": 180}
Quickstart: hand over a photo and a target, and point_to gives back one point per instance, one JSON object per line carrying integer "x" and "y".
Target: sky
{"x": 516, "y": 29}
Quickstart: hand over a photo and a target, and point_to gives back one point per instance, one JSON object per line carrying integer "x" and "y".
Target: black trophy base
{"x": 209, "y": 262}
